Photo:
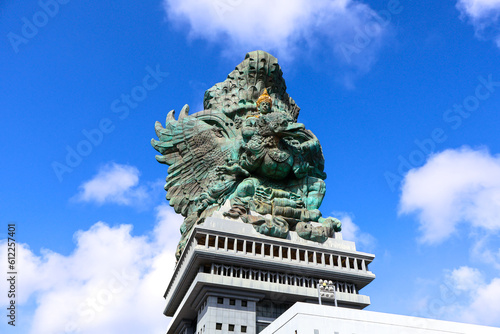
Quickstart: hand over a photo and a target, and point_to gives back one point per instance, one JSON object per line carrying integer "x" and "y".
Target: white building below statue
{"x": 305, "y": 318}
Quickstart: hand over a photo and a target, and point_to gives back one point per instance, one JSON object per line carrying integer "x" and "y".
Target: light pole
{"x": 327, "y": 289}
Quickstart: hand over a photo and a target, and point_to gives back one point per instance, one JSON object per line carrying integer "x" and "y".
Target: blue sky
{"x": 403, "y": 95}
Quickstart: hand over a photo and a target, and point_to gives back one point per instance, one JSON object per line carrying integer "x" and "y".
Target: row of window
{"x": 232, "y": 301}
{"x": 231, "y": 327}
{"x": 282, "y": 252}
{"x": 202, "y": 307}
{"x": 272, "y": 277}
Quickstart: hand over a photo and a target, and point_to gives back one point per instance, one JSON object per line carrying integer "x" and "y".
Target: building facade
{"x": 304, "y": 318}
{"x": 232, "y": 279}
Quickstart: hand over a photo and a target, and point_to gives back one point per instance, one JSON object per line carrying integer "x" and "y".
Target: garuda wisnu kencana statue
{"x": 245, "y": 157}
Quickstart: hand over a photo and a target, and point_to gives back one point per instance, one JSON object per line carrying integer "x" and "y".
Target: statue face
{"x": 274, "y": 123}
{"x": 264, "y": 107}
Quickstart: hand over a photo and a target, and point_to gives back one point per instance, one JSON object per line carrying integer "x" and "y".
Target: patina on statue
{"x": 247, "y": 156}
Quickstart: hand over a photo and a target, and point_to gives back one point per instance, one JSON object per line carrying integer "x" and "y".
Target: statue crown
{"x": 264, "y": 97}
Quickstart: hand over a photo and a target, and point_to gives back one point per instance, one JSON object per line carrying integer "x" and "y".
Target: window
{"x": 261, "y": 326}
{"x": 222, "y": 241}
{"x": 264, "y": 309}
{"x": 243, "y": 329}
{"x": 230, "y": 243}
{"x": 249, "y": 246}
{"x": 276, "y": 251}
{"x": 267, "y": 250}
{"x": 244, "y": 303}
{"x": 231, "y": 328}
{"x": 318, "y": 258}
{"x": 218, "y": 326}
{"x": 343, "y": 261}
{"x": 269, "y": 309}
{"x": 211, "y": 241}
{"x": 201, "y": 239}
{"x": 310, "y": 256}
{"x": 302, "y": 256}
{"x": 284, "y": 252}
{"x": 220, "y": 300}
{"x": 232, "y": 302}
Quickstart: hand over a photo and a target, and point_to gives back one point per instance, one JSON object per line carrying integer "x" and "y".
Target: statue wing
{"x": 193, "y": 149}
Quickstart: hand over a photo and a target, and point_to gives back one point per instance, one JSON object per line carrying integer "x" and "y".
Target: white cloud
{"x": 484, "y": 308}
{"x": 114, "y": 183}
{"x": 484, "y": 16}
{"x": 454, "y": 187}
{"x": 466, "y": 278}
{"x": 486, "y": 250}
{"x": 478, "y": 9}
{"x": 348, "y": 30}
{"x": 112, "y": 282}
{"x": 458, "y": 191}
{"x": 351, "y": 232}
{"x": 472, "y": 299}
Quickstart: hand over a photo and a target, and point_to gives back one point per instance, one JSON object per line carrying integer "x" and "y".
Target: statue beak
{"x": 292, "y": 129}
{"x": 295, "y": 127}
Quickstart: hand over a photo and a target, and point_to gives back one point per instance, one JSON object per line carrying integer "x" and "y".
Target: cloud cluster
{"x": 111, "y": 283}
{"x": 486, "y": 250}
{"x": 351, "y": 232}
{"x": 347, "y": 30}
{"x": 114, "y": 183}
{"x": 454, "y": 187}
{"x": 484, "y": 16}
{"x": 480, "y": 304}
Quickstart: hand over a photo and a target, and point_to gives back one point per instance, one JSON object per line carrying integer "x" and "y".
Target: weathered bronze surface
{"x": 246, "y": 150}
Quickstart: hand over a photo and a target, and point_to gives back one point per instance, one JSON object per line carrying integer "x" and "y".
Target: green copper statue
{"x": 245, "y": 156}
